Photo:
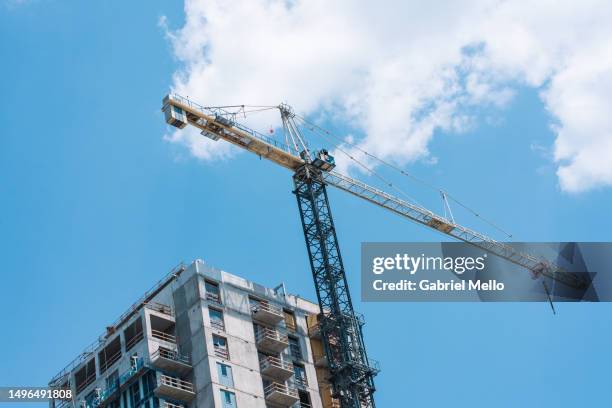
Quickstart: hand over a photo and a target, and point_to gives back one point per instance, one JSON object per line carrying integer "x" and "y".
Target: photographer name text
{"x": 437, "y": 285}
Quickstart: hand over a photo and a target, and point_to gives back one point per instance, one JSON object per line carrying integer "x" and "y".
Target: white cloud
{"x": 399, "y": 72}
{"x": 192, "y": 139}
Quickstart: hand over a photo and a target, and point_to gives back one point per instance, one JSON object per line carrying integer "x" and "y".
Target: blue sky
{"x": 96, "y": 206}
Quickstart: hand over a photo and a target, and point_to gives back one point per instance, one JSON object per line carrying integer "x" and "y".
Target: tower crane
{"x": 351, "y": 372}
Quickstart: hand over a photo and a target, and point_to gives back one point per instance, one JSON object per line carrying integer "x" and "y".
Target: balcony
{"x": 174, "y": 388}
{"x": 271, "y": 340}
{"x": 163, "y": 336}
{"x": 267, "y": 313}
{"x": 170, "y": 361}
{"x": 280, "y": 394}
{"x": 276, "y": 368}
{"x": 163, "y": 329}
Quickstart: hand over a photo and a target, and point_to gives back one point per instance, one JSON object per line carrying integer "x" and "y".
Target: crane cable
{"x": 258, "y": 110}
{"x": 241, "y": 110}
{"x": 240, "y": 106}
{"x": 327, "y": 133}
{"x": 368, "y": 169}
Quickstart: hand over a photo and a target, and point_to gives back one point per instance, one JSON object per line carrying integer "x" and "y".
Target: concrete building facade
{"x": 204, "y": 338}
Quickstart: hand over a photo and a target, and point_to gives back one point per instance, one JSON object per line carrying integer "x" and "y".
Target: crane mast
{"x": 351, "y": 376}
{"x": 351, "y": 372}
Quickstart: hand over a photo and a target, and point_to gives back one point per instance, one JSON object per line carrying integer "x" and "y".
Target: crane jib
{"x": 423, "y": 216}
{"x": 180, "y": 111}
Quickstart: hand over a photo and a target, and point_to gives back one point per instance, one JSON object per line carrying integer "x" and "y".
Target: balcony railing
{"x": 276, "y": 368}
{"x": 270, "y": 361}
{"x": 110, "y": 361}
{"x": 213, "y": 297}
{"x": 278, "y": 387}
{"x": 267, "y": 313}
{"x": 171, "y": 361}
{"x": 271, "y": 340}
{"x": 280, "y": 394}
{"x": 175, "y": 383}
{"x": 170, "y": 355}
{"x": 217, "y": 324}
{"x": 267, "y": 307}
{"x": 174, "y": 388}
{"x": 90, "y": 379}
{"x": 267, "y": 333}
{"x": 163, "y": 336}
{"x": 222, "y": 352}
{"x": 132, "y": 342}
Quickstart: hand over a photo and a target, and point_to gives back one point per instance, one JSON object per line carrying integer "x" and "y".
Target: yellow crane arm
{"x": 181, "y": 111}
{"x": 215, "y": 123}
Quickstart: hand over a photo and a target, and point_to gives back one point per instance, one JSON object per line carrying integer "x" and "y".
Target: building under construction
{"x": 205, "y": 338}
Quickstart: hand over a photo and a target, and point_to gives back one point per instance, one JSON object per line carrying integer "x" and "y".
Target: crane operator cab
{"x": 324, "y": 161}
